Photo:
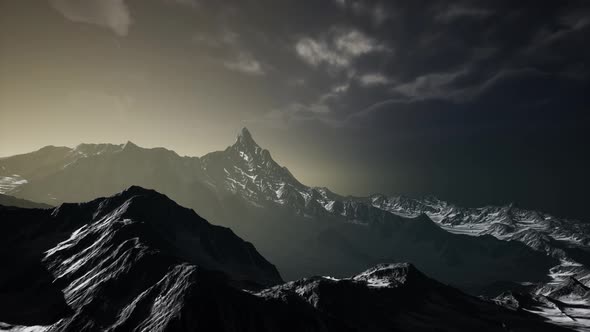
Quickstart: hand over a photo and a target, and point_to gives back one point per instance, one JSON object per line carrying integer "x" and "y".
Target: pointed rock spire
{"x": 245, "y": 133}
{"x": 246, "y": 143}
{"x": 130, "y": 146}
{"x": 244, "y": 137}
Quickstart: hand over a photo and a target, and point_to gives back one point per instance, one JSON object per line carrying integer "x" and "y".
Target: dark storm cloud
{"x": 331, "y": 60}
{"x": 455, "y": 51}
{"x": 336, "y": 60}
{"x": 407, "y": 49}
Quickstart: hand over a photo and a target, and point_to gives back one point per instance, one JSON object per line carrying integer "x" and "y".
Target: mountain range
{"x": 139, "y": 261}
{"x": 313, "y": 231}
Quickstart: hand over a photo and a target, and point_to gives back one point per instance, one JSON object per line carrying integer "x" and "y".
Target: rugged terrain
{"x": 105, "y": 253}
{"x": 313, "y": 231}
{"x": 138, "y": 261}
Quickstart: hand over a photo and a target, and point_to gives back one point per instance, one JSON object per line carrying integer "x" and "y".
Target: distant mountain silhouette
{"x": 6, "y": 200}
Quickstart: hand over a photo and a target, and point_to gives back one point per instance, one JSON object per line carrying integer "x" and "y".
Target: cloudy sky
{"x": 473, "y": 101}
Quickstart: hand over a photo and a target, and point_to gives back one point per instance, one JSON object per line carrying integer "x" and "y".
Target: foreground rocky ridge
{"x": 401, "y": 298}
{"x": 136, "y": 261}
{"x": 105, "y": 253}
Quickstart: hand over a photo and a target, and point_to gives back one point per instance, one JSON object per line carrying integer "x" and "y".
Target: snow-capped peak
{"x": 389, "y": 275}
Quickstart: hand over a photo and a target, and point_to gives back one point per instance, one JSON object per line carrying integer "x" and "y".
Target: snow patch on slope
{"x": 8, "y": 183}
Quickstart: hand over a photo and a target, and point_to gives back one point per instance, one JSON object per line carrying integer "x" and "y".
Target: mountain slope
{"x": 566, "y": 240}
{"x": 104, "y": 253}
